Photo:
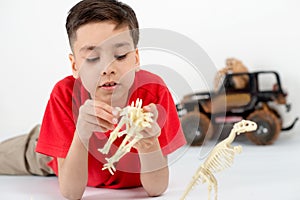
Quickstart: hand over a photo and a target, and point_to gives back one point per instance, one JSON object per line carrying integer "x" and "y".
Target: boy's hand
{"x": 95, "y": 116}
{"x": 150, "y": 135}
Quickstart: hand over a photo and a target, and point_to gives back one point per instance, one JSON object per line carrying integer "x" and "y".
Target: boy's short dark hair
{"x": 87, "y": 11}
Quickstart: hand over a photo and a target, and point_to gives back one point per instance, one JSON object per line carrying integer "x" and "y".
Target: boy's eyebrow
{"x": 88, "y": 48}
{"x": 121, "y": 44}
{"x": 93, "y": 47}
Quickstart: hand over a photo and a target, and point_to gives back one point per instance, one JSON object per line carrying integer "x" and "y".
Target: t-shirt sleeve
{"x": 172, "y": 136}
{"x": 58, "y": 125}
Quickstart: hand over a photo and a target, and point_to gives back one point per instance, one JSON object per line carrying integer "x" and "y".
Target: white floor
{"x": 260, "y": 173}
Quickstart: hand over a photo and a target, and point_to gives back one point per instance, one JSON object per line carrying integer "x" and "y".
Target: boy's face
{"x": 105, "y": 60}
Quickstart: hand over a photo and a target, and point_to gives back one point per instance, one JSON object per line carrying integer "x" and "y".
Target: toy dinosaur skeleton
{"x": 221, "y": 157}
{"x": 135, "y": 120}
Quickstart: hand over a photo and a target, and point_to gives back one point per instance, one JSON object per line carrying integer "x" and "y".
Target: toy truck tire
{"x": 268, "y": 127}
{"x": 195, "y": 127}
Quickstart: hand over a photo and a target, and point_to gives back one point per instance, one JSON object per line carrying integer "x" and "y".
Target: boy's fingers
{"x": 92, "y": 121}
{"x": 154, "y": 131}
{"x": 116, "y": 111}
{"x": 102, "y": 111}
{"x": 151, "y": 108}
{"x": 104, "y": 120}
{"x": 104, "y": 115}
{"x": 98, "y": 105}
{"x": 104, "y": 106}
{"x": 104, "y": 124}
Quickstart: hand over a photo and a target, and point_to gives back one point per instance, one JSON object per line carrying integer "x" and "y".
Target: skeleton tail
{"x": 193, "y": 183}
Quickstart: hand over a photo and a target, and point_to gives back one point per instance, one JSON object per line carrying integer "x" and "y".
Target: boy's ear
{"x": 74, "y": 67}
{"x": 137, "y": 58}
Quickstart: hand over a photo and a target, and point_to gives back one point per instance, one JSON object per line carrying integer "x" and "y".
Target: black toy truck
{"x": 206, "y": 113}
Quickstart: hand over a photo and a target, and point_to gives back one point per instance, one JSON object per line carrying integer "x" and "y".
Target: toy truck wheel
{"x": 268, "y": 127}
{"x": 195, "y": 126}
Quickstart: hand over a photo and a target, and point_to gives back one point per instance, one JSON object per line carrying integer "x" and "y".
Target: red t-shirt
{"x": 60, "y": 119}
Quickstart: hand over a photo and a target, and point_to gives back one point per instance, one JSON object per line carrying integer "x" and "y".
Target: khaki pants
{"x": 18, "y": 156}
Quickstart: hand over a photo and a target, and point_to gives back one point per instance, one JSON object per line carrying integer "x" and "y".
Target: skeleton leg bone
{"x": 212, "y": 184}
{"x": 112, "y": 137}
{"x": 119, "y": 154}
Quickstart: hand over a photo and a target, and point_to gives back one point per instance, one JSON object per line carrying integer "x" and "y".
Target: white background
{"x": 264, "y": 34}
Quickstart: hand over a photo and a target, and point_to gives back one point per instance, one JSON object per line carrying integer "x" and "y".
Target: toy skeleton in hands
{"x": 135, "y": 120}
{"x": 221, "y": 157}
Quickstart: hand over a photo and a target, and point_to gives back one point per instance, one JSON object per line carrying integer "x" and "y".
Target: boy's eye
{"x": 120, "y": 57}
{"x": 94, "y": 59}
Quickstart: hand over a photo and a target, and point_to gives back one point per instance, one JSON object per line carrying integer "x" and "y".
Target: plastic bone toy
{"x": 221, "y": 157}
{"x": 135, "y": 120}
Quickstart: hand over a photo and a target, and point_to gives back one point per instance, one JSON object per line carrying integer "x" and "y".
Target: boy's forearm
{"x": 156, "y": 182}
{"x": 73, "y": 170}
{"x": 154, "y": 170}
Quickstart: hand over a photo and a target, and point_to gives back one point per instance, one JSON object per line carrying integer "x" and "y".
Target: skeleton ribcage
{"x": 221, "y": 160}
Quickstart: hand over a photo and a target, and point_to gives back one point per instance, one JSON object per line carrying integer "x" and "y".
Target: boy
{"x": 81, "y": 111}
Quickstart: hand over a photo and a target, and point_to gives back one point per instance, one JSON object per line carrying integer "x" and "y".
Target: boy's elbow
{"x": 156, "y": 191}
{"x": 71, "y": 193}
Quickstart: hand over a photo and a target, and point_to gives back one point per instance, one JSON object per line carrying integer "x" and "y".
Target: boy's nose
{"x": 109, "y": 70}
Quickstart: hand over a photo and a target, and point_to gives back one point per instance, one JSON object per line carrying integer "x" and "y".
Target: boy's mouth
{"x": 109, "y": 85}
